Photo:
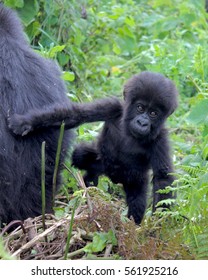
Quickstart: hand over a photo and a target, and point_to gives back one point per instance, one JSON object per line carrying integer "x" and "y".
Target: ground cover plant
{"x": 99, "y": 45}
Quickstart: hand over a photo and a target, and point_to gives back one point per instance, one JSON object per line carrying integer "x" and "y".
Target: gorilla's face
{"x": 143, "y": 119}
{"x": 149, "y": 99}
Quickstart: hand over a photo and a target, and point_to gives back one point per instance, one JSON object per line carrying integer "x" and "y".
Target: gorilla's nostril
{"x": 142, "y": 122}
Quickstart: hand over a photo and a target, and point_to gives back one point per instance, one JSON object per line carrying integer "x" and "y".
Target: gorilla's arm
{"x": 162, "y": 167}
{"x": 73, "y": 115}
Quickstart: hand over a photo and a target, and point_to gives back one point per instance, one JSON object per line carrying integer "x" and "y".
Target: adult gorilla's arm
{"x": 73, "y": 115}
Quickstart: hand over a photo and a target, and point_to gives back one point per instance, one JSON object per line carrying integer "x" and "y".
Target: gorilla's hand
{"x": 19, "y": 124}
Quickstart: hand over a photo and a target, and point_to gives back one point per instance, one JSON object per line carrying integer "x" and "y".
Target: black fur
{"x": 131, "y": 144}
{"x": 132, "y": 141}
{"x": 74, "y": 115}
{"x": 28, "y": 82}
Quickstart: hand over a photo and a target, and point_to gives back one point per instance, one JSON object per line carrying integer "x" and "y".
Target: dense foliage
{"x": 99, "y": 45}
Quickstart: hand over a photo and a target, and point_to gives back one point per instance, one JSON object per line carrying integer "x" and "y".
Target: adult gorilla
{"x": 29, "y": 82}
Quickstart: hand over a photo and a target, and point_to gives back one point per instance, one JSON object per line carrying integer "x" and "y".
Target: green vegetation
{"x": 99, "y": 45}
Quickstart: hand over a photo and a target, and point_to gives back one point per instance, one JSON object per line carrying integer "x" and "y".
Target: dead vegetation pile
{"x": 95, "y": 228}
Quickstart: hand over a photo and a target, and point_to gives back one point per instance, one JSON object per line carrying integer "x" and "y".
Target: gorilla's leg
{"x": 86, "y": 157}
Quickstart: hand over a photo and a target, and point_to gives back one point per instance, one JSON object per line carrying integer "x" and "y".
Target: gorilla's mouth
{"x": 138, "y": 131}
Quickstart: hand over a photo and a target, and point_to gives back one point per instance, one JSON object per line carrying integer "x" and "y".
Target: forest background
{"x": 99, "y": 45}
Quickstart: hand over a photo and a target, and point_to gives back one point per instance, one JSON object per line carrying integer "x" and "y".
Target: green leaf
{"x": 170, "y": 23}
{"x": 53, "y": 51}
{"x": 100, "y": 240}
{"x": 98, "y": 244}
{"x": 33, "y": 29}
{"x": 68, "y": 76}
{"x": 205, "y": 152}
{"x": 14, "y": 3}
{"x": 199, "y": 113}
{"x": 116, "y": 49}
{"x": 130, "y": 21}
{"x": 203, "y": 180}
{"x": 29, "y": 11}
{"x": 63, "y": 58}
{"x": 205, "y": 130}
{"x": 166, "y": 202}
{"x": 112, "y": 237}
{"x": 151, "y": 20}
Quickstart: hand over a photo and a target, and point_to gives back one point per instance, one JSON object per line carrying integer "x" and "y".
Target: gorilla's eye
{"x": 153, "y": 114}
{"x": 140, "y": 108}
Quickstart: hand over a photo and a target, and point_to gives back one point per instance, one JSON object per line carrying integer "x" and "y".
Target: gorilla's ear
{"x": 170, "y": 112}
{"x": 174, "y": 105}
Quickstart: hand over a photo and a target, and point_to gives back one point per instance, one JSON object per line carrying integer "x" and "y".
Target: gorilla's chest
{"x": 119, "y": 165}
{"x": 122, "y": 156}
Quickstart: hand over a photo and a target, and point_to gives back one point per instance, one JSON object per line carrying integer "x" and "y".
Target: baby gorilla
{"x": 132, "y": 141}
